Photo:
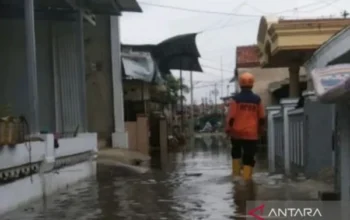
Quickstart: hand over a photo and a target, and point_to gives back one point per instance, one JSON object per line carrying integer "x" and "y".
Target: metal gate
{"x": 67, "y": 77}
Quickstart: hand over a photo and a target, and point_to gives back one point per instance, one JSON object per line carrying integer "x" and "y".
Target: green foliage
{"x": 173, "y": 89}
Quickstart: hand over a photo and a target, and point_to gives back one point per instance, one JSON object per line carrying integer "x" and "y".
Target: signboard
{"x": 332, "y": 83}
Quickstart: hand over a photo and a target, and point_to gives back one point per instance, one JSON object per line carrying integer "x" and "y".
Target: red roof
{"x": 247, "y": 56}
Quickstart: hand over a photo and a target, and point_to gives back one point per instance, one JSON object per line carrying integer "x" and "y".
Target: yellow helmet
{"x": 246, "y": 80}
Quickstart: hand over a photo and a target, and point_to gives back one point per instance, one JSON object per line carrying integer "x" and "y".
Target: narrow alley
{"x": 193, "y": 185}
{"x": 174, "y": 110}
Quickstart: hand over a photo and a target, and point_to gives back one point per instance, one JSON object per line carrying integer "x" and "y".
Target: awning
{"x": 181, "y": 45}
{"x": 130, "y": 5}
{"x": 141, "y": 66}
{"x": 179, "y": 52}
{"x": 110, "y": 7}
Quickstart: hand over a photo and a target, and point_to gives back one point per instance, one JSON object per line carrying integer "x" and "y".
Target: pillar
{"x": 271, "y": 110}
{"x": 120, "y": 136}
{"x": 30, "y": 43}
{"x": 286, "y": 105}
{"x": 81, "y": 52}
{"x": 294, "y": 85}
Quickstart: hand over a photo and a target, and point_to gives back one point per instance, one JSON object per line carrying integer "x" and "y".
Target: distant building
{"x": 270, "y": 83}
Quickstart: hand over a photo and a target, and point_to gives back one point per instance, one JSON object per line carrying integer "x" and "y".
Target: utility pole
{"x": 209, "y": 99}
{"x": 191, "y": 107}
{"x": 181, "y": 101}
{"x": 222, "y": 78}
{"x": 228, "y": 90}
{"x": 215, "y": 96}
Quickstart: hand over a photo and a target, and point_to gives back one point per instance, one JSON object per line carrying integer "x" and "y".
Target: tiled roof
{"x": 247, "y": 56}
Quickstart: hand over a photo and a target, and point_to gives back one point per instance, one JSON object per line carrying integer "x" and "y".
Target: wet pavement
{"x": 195, "y": 184}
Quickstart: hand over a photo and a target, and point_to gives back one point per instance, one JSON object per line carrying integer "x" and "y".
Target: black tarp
{"x": 181, "y": 45}
{"x": 178, "y": 53}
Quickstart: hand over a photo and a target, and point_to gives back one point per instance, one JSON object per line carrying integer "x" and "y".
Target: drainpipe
{"x": 81, "y": 52}
{"x": 31, "y": 65}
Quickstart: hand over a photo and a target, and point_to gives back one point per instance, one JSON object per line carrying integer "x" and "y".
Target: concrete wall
{"x": 39, "y": 186}
{"x": 99, "y": 77}
{"x": 265, "y": 76}
{"x": 46, "y": 181}
{"x": 138, "y": 135}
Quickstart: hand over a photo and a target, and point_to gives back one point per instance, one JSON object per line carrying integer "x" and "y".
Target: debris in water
{"x": 194, "y": 174}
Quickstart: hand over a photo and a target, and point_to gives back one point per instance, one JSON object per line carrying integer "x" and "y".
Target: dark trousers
{"x": 248, "y": 147}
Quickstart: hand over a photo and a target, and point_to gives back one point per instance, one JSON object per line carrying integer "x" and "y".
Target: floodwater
{"x": 195, "y": 184}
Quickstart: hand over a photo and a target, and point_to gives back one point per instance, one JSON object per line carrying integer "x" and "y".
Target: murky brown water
{"x": 193, "y": 185}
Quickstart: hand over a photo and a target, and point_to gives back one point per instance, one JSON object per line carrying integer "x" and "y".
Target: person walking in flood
{"x": 244, "y": 123}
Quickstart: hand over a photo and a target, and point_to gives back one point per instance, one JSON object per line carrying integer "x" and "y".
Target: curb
{"x": 133, "y": 168}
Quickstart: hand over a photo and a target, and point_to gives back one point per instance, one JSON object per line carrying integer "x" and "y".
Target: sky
{"x": 222, "y": 25}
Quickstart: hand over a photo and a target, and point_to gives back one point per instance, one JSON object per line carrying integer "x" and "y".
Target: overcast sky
{"x": 220, "y": 33}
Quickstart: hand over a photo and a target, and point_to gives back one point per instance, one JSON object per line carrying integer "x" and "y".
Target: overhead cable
{"x": 224, "y": 13}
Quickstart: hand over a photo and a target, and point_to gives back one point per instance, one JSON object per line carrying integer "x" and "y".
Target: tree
{"x": 173, "y": 89}
{"x": 344, "y": 14}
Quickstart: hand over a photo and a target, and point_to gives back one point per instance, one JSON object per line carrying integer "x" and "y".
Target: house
{"x": 288, "y": 43}
{"x": 43, "y": 78}
{"x": 143, "y": 83}
{"x": 143, "y": 87}
{"x": 295, "y": 134}
{"x": 272, "y": 84}
{"x": 334, "y": 51}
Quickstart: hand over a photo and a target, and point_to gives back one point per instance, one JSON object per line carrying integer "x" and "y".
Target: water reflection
{"x": 195, "y": 184}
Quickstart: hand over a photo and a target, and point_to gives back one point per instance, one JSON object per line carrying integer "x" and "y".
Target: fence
{"x": 299, "y": 140}
{"x": 296, "y": 140}
{"x": 278, "y": 138}
{"x": 295, "y": 155}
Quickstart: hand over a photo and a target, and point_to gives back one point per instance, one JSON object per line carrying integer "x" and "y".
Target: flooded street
{"x": 192, "y": 185}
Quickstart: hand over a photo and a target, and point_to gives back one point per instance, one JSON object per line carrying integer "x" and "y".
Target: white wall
{"x": 45, "y": 181}
{"x": 38, "y": 186}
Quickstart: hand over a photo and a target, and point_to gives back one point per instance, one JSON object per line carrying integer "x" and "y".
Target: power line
{"x": 277, "y": 13}
{"x": 225, "y": 13}
{"x": 214, "y": 68}
{"x": 321, "y": 7}
{"x": 210, "y": 82}
{"x": 234, "y": 10}
{"x": 228, "y": 64}
{"x": 197, "y": 10}
{"x": 209, "y": 85}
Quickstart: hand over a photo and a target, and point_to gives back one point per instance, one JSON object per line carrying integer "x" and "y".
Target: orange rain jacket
{"x": 245, "y": 117}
